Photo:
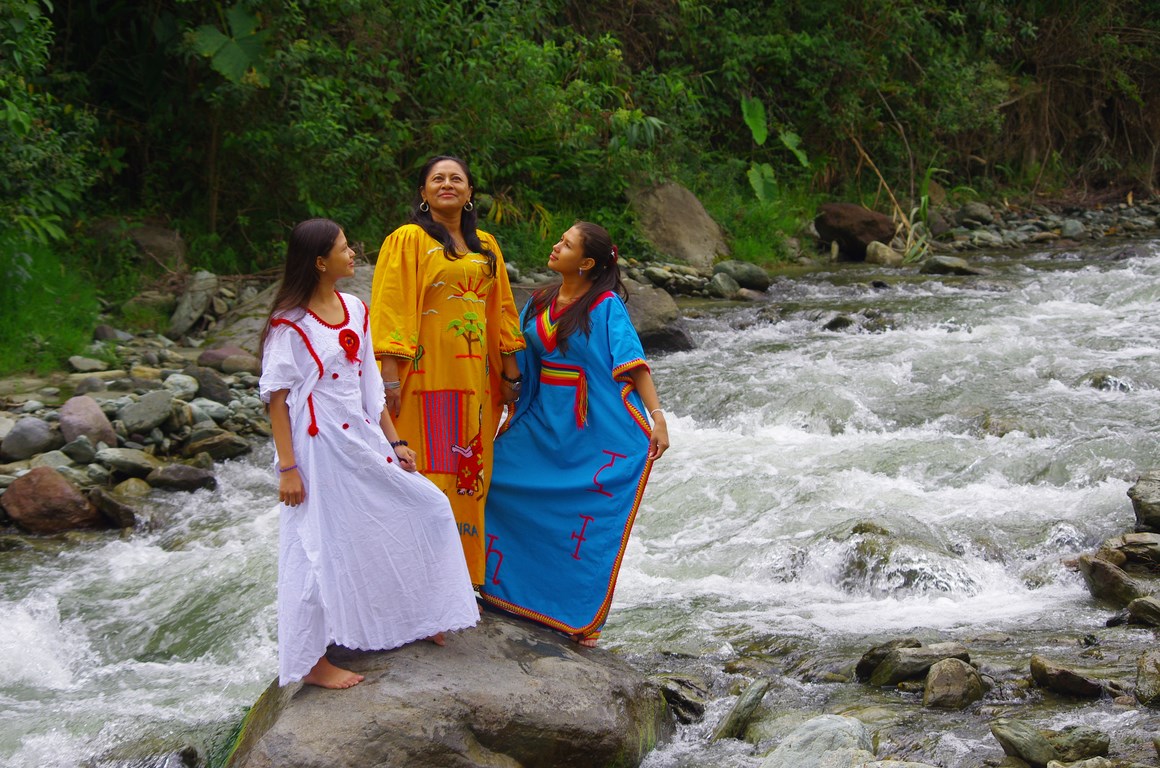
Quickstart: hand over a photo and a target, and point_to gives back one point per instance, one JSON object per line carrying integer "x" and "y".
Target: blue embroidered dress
{"x": 569, "y": 472}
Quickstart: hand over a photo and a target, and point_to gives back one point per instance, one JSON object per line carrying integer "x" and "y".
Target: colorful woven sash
{"x": 560, "y": 375}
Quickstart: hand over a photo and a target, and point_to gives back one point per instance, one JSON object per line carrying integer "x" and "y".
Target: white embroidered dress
{"x": 371, "y": 560}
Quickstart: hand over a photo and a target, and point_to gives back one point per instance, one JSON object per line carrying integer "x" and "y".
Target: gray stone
{"x": 82, "y": 364}
{"x": 1145, "y": 496}
{"x": 28, "y": 437}
{"x": 1072, "y": 229}
{"x": 686, "y": 697}
{"x": 222, "y": 446}
{"x": 912, "y": 663}
{"x": 1108, "y": 583}
{"x": 243, "y": 363}
{"x": 746, "y": 274}
{"x": 119, "y": 510}
{"x": 883, "y": 254}
{"x": 949, "y": 265}
{"x": 50, "y": 459}
{"x": 674, "y": 221}
{"x": 1021, "y": 740}
{"x": 952, "y": 684}
{"x": 809, "y": 744}
{"x": 974, "y": 211}
{"x": 129, "y": 461}
{"x": 181, "y": 477}
{"x": 193, "y": 303}
{"x": 723, "y": 286}
{"x": 1138, "y": 547}
{"x": 183, "y": 386}
{"x": 1145, "y": 610}
{"x": 133, "y": 488}
{"x": 735, "y": 721}
{"x": 150, "y": 411}
{"x": 211, "y": 385}
{"x": 873, "y": 657}
{"x": 506, "y": 693}
{"x": 1078, "y": 742}
{"x": 210, "y": 409}
{"x": 6, "y": 425}
{"x": 82, "y": 416}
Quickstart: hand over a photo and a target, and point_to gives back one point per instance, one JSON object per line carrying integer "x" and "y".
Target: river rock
{"x": 1078, "y": 742}
{"x": 28, "y": 437}
{"x": 746, "y": 274}
{"x": 221, "y": 445}
{"x": 1145, "y": 496}
{"x": 883, "y": 254}
{"x": 129, "y": 461}
{"x": 82, "y": 416}
{"x": 193, "y": 303}
{"x": 952, "y": 684}
{"x": 814, "y": 740}
{"x": 733, "y": 725}
{"x": 674, "y": 221}
{"x": 1145, "y": 610}
{"x": 242, "y": 363}
{"x": 211, "y": 410}
{"x": 852, "y": 228}
{"x": 213, "y": 358}
{"x": 723, "y": 286}
{"x": 181, "y": 477}
{"x": 150, "y": 411}
{"x": 182, "y": 385}
{"x": 1024, "y": 741}
{"x": 81, "y": 450}
{"x": 211, "y": 385}
{"x": 506, "y": 693}
{"x": 913, "y": 663}
{"x": 1143, "y": 548}
{"x": 1108, "y": 582}
{"x": 50, "y": 459}
{"x": 1063, "y": 680}
{"x": 686, "y": 696}
{"x": 974, "y": 213}
{"x": 42, "y": 501}
{"x": 133, "y": 488}
{"x": 82, "y": 364}
{"x": 116, "y": 508}
{"x": 949, "y": 265}
{"x": 1147, "y": 675}
{"x": 873, "y": 657}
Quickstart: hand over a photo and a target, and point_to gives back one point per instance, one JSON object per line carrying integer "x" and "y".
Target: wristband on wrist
{"x": 397, "y": 443}
{"x": 392, "y": 384}
{"x": 517, "y": 380}
{"x": 655, "y": 411}
{"x": 287, "y": 469}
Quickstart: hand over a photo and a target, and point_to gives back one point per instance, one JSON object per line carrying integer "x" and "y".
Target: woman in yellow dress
{"x": 445, "y": 330}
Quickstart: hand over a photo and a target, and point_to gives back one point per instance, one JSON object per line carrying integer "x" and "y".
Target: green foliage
{"x": 47, "y": 307}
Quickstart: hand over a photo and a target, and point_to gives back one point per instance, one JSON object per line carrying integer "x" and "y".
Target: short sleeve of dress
{"x": 623, "y": 341}
{"x": 280, "y": 367}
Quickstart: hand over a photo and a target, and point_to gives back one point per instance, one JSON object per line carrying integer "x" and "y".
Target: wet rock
{"x": 685, "y": 696}
{"x": 818, "y": 739}
{"x": 211, "y": 385}
{"x": 28, "y": 437}
{"x": 873, "y": 657}
{"x": 117, "y": 509}
{"x": 129, "y": 461}
{"x": 209, "y": 410}
{"x": 884, "y": 255}
{"x": 50, "y": 459}
{"x": 82, "y": 416}
{"x": 1024, "y": 741}
{"x": 949, "y": 265}
{"x": 505, "y": 693}
{"x": 737, "y": 719}
{"x": 852, "y": 227}
{"x": 1143, "y": 548}
{"x": 181, "y": 477}
{"x": 1108, "y": 582}
{"x": 1145, "y": 496}
{"x": 1072, "y": 229}
{"x": 1063, "y": 680}
{"x": 913, "y": 663}
{"x": 192, "y": 304}
{"x": 974, "y": 213}
{"x": 723, "y": 286}
{"x": 952, "y": 684}
{"x": 221, "y": 446}
{"x": 745, "y": 274}
{"x": 133, "y": 488}
{"x": 1105, "y": 381}
{"x": 147, "y": 413}
{"x": 1147, "y": 676}
{"x": 657, "y": 320}
{"x": 1078, "y": 742}
{"x": 43, "y": 501}
{"x": 1144, "y": 610}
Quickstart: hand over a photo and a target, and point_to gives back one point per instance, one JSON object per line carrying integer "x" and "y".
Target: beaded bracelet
{"x": 287, "y": 469}
{"x": 397, "y": 443}
{"x": 392, "y": 384}
{"x": 653, "y": 412}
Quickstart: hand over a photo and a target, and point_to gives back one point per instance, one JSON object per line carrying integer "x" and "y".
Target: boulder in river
{"x": 43, "y": 501}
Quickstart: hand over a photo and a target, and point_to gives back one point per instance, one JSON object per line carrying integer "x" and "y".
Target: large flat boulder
{"x": 675, "y": 222}
{"x": 504, "y": 693}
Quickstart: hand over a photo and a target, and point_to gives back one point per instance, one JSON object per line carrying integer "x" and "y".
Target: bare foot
{"x": 438, "y": 639}
{"x": 586, "y": 641}
{"x": 326, "y": 675}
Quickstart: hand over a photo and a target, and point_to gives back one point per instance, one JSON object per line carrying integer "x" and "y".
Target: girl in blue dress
{"x": 571, "y": 467}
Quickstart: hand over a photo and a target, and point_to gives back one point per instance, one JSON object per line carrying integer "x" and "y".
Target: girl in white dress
{"x": 369, "y": 553}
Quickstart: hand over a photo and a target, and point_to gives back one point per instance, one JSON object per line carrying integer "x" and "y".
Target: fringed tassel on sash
{"x": 581, "y": 408}
{"x": 569, "y": 376}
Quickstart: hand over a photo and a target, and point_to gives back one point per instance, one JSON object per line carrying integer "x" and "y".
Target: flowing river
{"x": 924, "y": 471}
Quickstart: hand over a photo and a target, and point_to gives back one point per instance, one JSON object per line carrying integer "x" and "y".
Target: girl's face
{"x": 339, "y": 262}
{"x": 446, "y": 189}
{"x": 567, "y": 256}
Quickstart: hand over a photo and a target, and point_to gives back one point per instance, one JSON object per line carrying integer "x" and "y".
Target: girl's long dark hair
{"x": 604, "y": 277}
{"x": 309, "y": 240}
{"x": 467, "y": 222}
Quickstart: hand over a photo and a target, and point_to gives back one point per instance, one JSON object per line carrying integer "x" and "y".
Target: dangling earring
{"x": 424, "y": 207}
{"x": 323, "y": 269}
{"x": 469, "y": 206}
{"x": 581, "y": 271}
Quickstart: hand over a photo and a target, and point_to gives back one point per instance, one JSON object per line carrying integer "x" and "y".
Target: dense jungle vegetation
{"x": 230, "y": 121}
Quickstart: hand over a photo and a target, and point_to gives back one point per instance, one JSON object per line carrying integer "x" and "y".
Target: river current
{"x": 924, "y": 470}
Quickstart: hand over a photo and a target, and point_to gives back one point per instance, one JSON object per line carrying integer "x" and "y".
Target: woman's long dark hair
{"x": 467, "y": 222}
{"x": 604, "y": 277}
{"x": 308, "y": 240}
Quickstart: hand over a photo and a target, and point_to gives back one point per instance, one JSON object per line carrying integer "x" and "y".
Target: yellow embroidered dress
{"x": 451, "y": 320}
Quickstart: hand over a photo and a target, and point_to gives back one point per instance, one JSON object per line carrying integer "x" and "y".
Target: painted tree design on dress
{"x": 470, "y": 328}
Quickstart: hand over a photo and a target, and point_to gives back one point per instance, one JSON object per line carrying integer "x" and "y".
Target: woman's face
{"x": 567, "y": 256}
{"x": 339, "y": 261}
{"x": 446, "y": 189}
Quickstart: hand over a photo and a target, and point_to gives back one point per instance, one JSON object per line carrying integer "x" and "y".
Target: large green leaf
{"x": 793, "y": 142}
{"x": 753, "y": 111}
{"x": 763, "y": 181}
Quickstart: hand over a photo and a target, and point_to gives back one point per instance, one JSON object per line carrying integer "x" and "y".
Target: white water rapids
{"x": 826, "y": 490}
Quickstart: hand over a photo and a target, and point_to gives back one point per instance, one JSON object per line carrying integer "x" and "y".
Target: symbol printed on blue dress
{"x": 595, "y": 478}
{"x": 490, "y": 550}
{"x": 580, "y": 537}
